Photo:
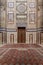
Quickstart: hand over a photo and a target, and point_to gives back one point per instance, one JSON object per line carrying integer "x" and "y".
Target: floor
{"x": 21, "y": 54}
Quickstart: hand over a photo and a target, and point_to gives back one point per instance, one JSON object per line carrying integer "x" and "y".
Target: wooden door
{"x": 41, "y": 38}
{"x": 1, "y": 38}
{"x": 21, "y": 35}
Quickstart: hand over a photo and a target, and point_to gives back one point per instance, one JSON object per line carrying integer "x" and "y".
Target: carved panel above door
{"x": 21, "y": 8}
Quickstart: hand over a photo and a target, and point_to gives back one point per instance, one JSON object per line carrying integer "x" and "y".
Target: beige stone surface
{"x": 13, "y": 26}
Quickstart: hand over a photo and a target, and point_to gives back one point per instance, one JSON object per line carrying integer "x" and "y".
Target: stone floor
{"x": 21, "y": 54}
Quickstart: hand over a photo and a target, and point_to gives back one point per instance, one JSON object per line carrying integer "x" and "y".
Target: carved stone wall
{"x": 40, "y": 4}
{"x": 21, "y": 12}
{"x": 27, "y": 13}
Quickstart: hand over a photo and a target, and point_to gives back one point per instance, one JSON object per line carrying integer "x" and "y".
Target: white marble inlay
{"x": 21, "y": 8}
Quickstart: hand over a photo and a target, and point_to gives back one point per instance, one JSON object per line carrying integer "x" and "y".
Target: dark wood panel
{"x": 1, "y": 38}
{"x": 21, "y": 35}
{"x": 41, "y": 38}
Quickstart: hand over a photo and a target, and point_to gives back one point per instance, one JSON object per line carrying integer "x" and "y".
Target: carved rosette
{"x": 21, "y": 8}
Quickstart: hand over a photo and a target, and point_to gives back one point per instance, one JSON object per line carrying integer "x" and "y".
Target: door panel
{"x": 0, "y": 38}
{"x": 41, "y": 38}
{"x": 21, "y": 35}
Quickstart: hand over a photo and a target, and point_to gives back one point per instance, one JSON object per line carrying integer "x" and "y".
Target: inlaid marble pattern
{"x": 21, "y": 8}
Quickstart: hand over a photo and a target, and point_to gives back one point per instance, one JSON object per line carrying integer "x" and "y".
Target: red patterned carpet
{"x": 21, "y": 54}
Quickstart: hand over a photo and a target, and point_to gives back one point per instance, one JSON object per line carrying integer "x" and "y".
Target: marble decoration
{"x": 10, "y": 17}
{"x": 21, "y": 16}
{"x": 32, "y": 5}
{"x": 21, "y": 8}
{"x": 11, "y": 4}
{"x": 31, "y": 17}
